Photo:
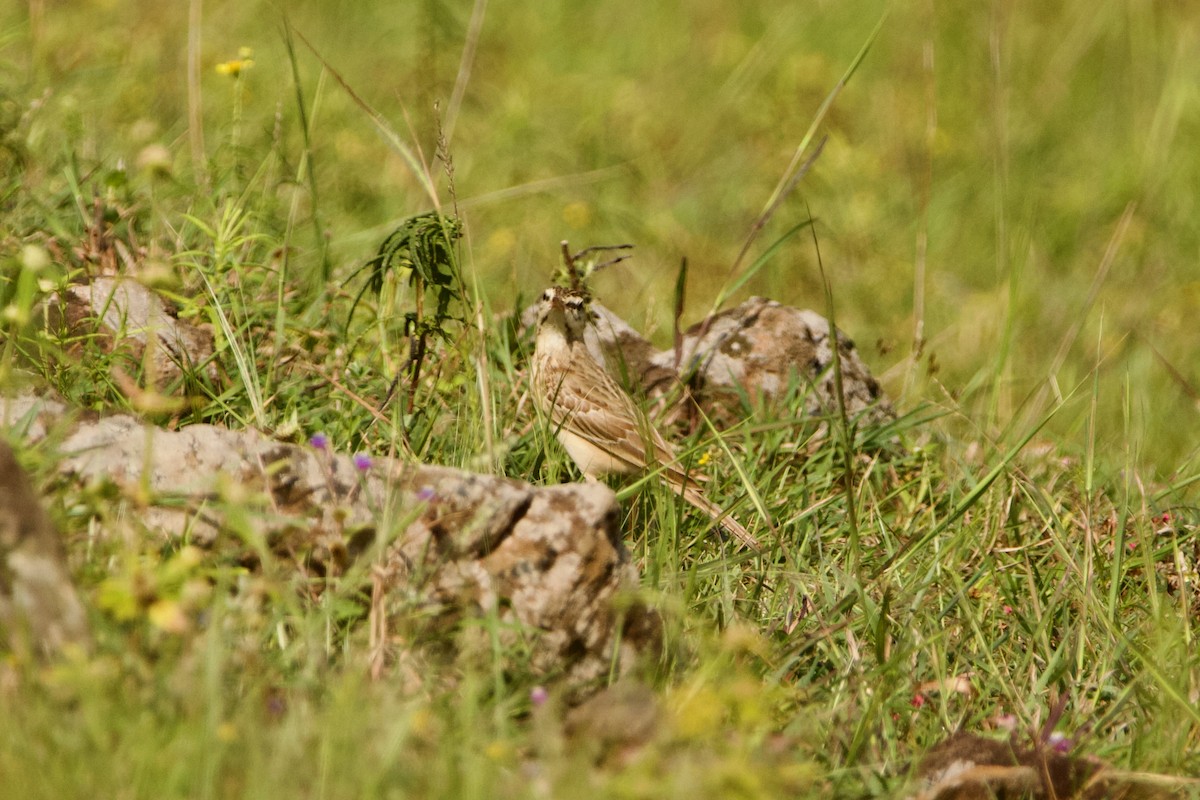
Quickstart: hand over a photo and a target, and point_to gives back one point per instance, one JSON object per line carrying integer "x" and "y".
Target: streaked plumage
{"x": 595, "y": 420}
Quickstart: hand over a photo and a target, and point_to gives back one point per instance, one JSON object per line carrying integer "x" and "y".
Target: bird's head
{"x": 564, "y": 310}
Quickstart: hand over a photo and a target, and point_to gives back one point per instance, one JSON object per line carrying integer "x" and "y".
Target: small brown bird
{"x": 597, "y": 423}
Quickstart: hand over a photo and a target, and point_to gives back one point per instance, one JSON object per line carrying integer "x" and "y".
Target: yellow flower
{"x": 578, "y": 214}
{"x": 501, "y": 243}
{"x": 698, "y": 712}
{"x": 497, "y": 750}
{"x": 168, "y": 616}
{"x": 235, "y": 67}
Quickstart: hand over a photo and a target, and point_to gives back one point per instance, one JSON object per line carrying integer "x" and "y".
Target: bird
{"x": 595, "y": 420}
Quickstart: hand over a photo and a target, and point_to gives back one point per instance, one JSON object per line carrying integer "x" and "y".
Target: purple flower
{"x": 1059, "y": 742}
{"x": 362, "y": 462}
{"x": 538, "y": 696}
{"x": 426, "y": 494}
{"x": 319, "y": 440}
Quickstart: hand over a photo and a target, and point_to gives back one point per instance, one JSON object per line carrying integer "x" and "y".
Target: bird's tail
{"x": 693, "y": 495}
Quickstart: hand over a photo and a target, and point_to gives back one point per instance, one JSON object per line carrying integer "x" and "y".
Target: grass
{"x": 1005, "y": 219}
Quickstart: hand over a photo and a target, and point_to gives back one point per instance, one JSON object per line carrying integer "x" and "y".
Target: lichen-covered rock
{"x": 126, "y": 317}
{"x": 546, "y": 561}
{"x": 760, "y": 347}
{"x": 28, "y": 416}
{"x": 549, "y": 559}
{"x": 627, "y": 355}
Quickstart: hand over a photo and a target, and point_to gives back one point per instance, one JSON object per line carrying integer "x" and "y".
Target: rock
{"x": 39, "y": 608}
{"x": 760, "y": 347}
{"x": 969, "y": 767}
{"x": 125, "y": 317}
{"x": 628, "y": 356}
{"x": 28, "y": 416}
{"x": 197, "y": 466}
{"x": 547, "y": 561}
{"x": 548, "y": 558}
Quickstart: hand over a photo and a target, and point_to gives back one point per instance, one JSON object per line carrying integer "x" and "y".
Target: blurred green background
{"x": 977, "y": 169}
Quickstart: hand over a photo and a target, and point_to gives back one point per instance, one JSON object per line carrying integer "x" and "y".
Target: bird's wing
{"x": 588, "y": 403}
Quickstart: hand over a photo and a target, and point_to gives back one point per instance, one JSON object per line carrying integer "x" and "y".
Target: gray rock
{"x": 126, "y": 317}
{"x": 28, "y": 416}
{"x": 546, "y": 561}
{"x": 760, "y": 347}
